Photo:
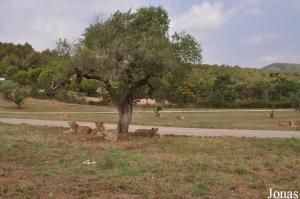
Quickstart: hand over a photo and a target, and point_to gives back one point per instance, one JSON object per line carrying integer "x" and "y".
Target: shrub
{"x": 63, "y": 96}
{"x": 283, "y": 103}
{"x": 15, "y": 93}
{"x": 295, "y": 99}
{"x": 88, "y": 86}
{"x": 158, "y": 108}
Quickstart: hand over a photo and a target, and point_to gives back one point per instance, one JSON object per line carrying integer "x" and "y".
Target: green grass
{"x": 222, "y": 120}
{"x": 41, "y": 162}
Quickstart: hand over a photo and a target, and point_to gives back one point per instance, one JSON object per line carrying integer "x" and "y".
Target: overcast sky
{"x": 250, "y": 33}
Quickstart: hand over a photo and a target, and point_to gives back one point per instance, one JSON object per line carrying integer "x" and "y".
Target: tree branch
{"x": 55, "y": 85}
{"x": 107, "y": 85}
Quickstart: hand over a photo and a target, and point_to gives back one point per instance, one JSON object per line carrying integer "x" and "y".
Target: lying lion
{"x": 107, "y": 134}
{"x": 180, "y": 117}
{"x": 76, "y": 128}
{"x": 289, "y": 124}
{"x": 65, "y": 116}
{"x": 110, "y": 134}
{"x": 146, "y": 132}
{"x": 99, "y": 129}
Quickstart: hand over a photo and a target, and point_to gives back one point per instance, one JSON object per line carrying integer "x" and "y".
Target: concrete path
{"x": 147, "y": 111}
{"x": 168, "y": 130}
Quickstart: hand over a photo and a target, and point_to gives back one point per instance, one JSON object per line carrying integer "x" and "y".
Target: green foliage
{"x": 5, "y": 88}
{"x": 283, "y": 67}
{"x": 63, "y": 48}
{"x": 22, "y": 78}
{"x": 295, "y": 99}
{"x": 285, "y": 87}
{"x": 33, "y": 60}
{"x": 158, "y": 108}
{"x": 225, "y": 86}
{"x": 33, "y": 75}
{"x": 104, "y": 95}
{"x": 259, "y": 90}
{"x": 23, "y": 65}
{"x": 88, "y": 86}
{"x": 22, "y": 57}
{"x": 63, "y": 96}
{"x": 187, "y": 92}
{"x": 12, "y": 92}
{"x": 186, "y": 48}
{"x": 126, "y": 51}
{"x": 46, "y": 79}
{"x": 223, "y": 89}
{"x": 11, "y": 71}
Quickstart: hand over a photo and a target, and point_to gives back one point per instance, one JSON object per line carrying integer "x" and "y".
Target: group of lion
{"x": 107, "y": 134}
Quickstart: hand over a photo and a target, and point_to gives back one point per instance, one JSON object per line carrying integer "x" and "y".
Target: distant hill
{"x": 283, "y": 67}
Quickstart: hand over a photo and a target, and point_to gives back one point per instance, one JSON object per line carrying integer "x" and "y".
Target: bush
{"x": 295, "y": 99}
{"x": 283, "y": 103}
{"x": 89, "y": 87}
{"x": 63, "y": 96}
{"x": 158, "y": 108}
{"x": 12, "y": 92}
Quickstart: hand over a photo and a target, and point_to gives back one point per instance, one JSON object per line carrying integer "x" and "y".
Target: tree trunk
{"x": 19, "y": 106}
{"x": 272, "y": 113}
{"x": 125, "y": 114}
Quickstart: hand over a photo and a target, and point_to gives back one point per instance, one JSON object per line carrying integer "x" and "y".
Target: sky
{"x": 248, "y": 33}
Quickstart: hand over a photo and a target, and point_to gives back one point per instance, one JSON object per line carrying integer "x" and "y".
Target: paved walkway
{"x": 168, "y": 130}
{"x": 148, "y": 111}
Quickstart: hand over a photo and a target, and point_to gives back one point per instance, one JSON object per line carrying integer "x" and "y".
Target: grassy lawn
{"x": 34, "y": 105}
{"x": 225, "y": 120}
{"x": 41, "y": 162}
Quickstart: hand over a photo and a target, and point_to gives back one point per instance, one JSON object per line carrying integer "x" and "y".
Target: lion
{"x": 76, "y": 128}
{"x": 66, "y": 116}
{"x": 157, "y": 115}
{"x": 146, "y": 132}
{"x": 180, "y": 117}
{"x": 289, "y": 124}
{"x": 110, "y": 135}
{"x": 100, "y": 128}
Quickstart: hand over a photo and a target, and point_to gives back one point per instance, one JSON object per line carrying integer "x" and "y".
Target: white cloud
{"x": 41, "y": 23}
{"x": 258, "y": 40}
{"x": 202, "y": 18}
{"x": 280, "y": 58}
{"x": 202, "y": 21}
{"x": 253, "y": 7}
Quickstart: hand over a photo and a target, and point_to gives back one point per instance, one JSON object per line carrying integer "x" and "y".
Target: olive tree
{"x": 13, "y": 92}
{"x": 295, "y": 99}
{"x": 127, "y": 53}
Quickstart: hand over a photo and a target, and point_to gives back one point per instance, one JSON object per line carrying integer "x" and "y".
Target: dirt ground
{"x": 43, "y": 162}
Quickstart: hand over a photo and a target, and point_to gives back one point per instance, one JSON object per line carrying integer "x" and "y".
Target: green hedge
{"x": 244, "y": 104}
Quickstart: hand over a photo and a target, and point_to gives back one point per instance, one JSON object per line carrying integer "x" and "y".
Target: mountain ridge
{"x": 283, "y": 67}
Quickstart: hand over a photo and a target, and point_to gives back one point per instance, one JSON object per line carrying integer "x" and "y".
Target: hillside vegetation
{"x": 185, "y": 85}
{"x": 283, "y": 67}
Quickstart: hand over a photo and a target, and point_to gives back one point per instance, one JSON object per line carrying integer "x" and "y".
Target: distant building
{"x": 146, "y": 101}
{"x": 149, "y": 101}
